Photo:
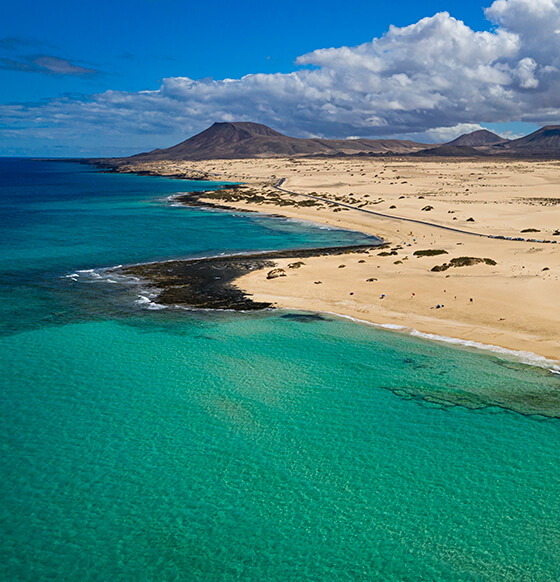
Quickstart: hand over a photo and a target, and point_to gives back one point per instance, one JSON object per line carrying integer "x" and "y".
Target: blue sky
{"x": 74, "y": 76}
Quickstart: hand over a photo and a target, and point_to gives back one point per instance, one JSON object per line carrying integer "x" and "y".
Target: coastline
{"x": 279, "y": 440}
{"x": 524, "y": 357}
{"x": 510, "y": 305}
{"x": 210, "y": 282}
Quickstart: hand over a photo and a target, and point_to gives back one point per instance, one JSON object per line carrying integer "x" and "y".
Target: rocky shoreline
{"x": 124, "y": 166}
{"x": 209, "y": 283}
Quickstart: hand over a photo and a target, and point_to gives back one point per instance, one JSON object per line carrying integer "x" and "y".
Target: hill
{"x": 230, "y": 140}
{"x": 244, "y": 139}
{"x": 482, "y": 137}
{"x": 543, "y": 142}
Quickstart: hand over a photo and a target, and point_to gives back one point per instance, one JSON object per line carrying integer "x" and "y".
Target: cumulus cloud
{"x": 445, "y": 134}
{"x": 432, "y": 77}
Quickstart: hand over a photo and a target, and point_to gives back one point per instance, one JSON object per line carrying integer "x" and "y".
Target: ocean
{"x": 167, "y": 444}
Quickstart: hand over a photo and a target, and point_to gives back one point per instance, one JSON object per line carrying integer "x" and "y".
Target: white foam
{"x": 99, "y": 276}
{"x": 524, "y": 357}
{"x": 148, "y": 303}
{"x": 172, "y": 200}
{"x": 392, "y": 326}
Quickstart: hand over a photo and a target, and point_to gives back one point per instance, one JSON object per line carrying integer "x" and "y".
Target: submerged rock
{"x": 304, "y": 317}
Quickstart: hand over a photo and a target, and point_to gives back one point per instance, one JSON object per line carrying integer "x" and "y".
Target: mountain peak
{"x": 550, "y": 130}
{"x": 543, "y": 141}
{"x": 249, "y": 128}
{"x": 246, "y": 140}
{"x": 481, "y": 137}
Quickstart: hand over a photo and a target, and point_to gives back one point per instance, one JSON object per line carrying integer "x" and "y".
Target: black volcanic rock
{"x": 482, "y": 137}
{"x": 245, "y": 139}
{"x": 209, "y": 283}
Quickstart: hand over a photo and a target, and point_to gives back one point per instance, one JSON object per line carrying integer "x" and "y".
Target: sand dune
{"x": 514, "y": 303}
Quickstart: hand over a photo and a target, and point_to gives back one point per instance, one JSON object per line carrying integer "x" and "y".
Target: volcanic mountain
{"x": 244, "y": 139}
{"x": 479, "y": 138}
{"x": 543, "y": 142}
{"x": 231, "y": 140}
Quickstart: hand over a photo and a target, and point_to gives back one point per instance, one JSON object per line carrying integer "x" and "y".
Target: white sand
{"x": 515, "y": 304}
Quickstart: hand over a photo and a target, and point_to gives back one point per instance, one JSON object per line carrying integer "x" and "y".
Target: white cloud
{"x": 445, "y": 134}
{"x": 434, "y": 77}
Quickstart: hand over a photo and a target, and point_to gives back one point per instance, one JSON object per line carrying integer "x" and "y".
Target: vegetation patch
{"x": 275, "y": 273}
{"x": 306, "y": 203}
{"x": 463, "y": 262}
{"x": 233, "y": 194}
{"x": 430, "y": 253}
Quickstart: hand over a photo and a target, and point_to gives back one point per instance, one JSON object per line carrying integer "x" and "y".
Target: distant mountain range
{"x": 252, "y": 140}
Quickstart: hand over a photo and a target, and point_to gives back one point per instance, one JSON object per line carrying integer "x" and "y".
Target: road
{"x": 403, "y": 219}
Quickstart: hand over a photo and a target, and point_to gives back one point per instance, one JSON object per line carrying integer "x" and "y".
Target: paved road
{"x": 432, "y": 224}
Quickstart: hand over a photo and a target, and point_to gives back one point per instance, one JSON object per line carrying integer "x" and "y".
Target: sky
{"x": 116, "y": 78}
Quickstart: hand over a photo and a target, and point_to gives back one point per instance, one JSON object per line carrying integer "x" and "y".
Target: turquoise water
{"x": 58, "y": 218}
{"x": 167, "y": 445}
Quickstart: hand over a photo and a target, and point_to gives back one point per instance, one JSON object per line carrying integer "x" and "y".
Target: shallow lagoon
{"x": 174, "y": 445}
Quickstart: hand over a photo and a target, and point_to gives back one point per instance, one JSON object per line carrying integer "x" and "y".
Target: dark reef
{"x": 209, "y": 283}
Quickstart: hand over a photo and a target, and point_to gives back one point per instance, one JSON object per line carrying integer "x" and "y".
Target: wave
{"x": 144, "y": 297}
{"x": 105, "y": 275}
{"x": 524, "y": 357}
{"x": 146, "y": 302}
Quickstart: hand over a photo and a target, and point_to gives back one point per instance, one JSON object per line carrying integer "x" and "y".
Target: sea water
{"x": 146, "y": 444}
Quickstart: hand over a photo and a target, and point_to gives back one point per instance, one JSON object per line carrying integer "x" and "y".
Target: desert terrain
{"x": 510, "y": 298}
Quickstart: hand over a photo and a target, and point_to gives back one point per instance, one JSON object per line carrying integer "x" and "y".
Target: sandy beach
{"x": 512, "y": 304}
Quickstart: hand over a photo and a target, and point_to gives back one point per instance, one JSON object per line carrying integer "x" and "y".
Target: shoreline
{"x": 524, "y": 357}
{"x": 294, "y": 292}
{"x": 210, "y": 282}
